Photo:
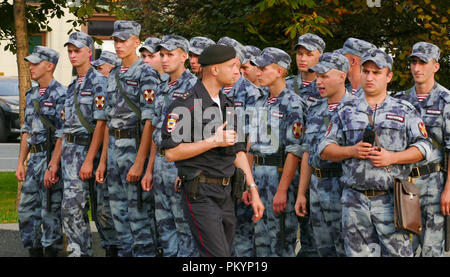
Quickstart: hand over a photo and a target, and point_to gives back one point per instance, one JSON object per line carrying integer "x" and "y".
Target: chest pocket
{"x": 86, "y": 104}
{"x": 49, "y": 109}
{"x": 392, "y": 135}
{"x": 353, "y": 131}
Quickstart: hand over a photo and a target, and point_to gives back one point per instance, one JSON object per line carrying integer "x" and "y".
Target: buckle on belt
{"x": 33, "y": 149}
{"x": 415, "y": 175}
{"x": 226, "y": 181}
{"x": 318, "y": 173}
{"x": 256, "y": 158}
{"x": 117, "y": 133}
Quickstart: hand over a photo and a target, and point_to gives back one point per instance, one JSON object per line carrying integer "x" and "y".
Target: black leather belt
{"x": 224, "y": 181}
{"x": 40, "y": 147}
{"x": 121, "y": 134}
{"x": 77, "y": 139}
{"x": 160, "y": 151}
{"x": 268, "y": 160}
{"x": 327, "y": 172}
{"x": 371, "y": 193}
{"x": 423, "y": 170}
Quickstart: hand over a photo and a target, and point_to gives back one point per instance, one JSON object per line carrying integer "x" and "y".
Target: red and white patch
{"x": 329, "y": 129}
{"x": 395, "y": 117}
{"x": 63, "y": 115}
{"x": 48, "y": 104}
{"x": 149, "y": 95}
{"x": 86, "y": 93}
{"x": 312, "y": 99}
{"x": 171, "y": 122}
{"x": 177, "y": 94}
{"x": 423, "y": 129}
{"x": 297, "y": 129}
{"x": 99, "y": 102}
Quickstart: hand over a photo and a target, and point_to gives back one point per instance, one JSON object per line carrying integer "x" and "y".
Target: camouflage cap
{"x": 124, "y": 29}
{"x": 107, "y": 57}
{"x": 42, "y": 53}
{"x": 80, "y": 40}
{"x": 331, "y": 60}
{"x": 426, "y": 51}
{"x": 272, "y": 55}
{"x": 198, "y": 44}
{"x": 236, "y": 45}
{"x": 150, "y": 45}
{"x": 339, "y": 51}
{"x": 251, "y": 52}
{"x": 357, "y": 47}
{"x": 172, "y": 42}
{"x": 379, "y": 57}
{"x": 311, "y": 42}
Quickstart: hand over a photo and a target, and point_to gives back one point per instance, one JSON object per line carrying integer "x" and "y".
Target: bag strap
{"x": 82, "y": 119}
{"x": 132, "y": 106}
{"x": 296, "y": 85}
{"x": 47, "y": 123}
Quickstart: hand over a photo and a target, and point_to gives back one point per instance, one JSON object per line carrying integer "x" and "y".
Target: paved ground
{"x": 11, "y": 246}
{"x": 9, "y": 154}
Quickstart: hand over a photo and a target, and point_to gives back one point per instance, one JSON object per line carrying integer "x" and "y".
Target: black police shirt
{"x": 204, "y": 113}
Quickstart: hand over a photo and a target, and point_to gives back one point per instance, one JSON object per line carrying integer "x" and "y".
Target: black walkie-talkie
{"x": 369, "y": 133}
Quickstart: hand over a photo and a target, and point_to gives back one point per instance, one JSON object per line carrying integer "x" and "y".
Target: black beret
{"x": 215, "y": 54}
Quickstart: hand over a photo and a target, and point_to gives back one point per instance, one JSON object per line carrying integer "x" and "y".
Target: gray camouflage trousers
{"x": 133, "y": 226}
{"x": 368, "y": 226}
{"x": 37, "y": 227}
{"x": 432, "y": 238}
{"x": 75, "y": 205}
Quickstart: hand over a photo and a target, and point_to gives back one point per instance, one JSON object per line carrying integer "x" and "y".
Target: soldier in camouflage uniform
{"x": 353, "y": 50}
{"x": 174, "y": 233}
{"x": 248, "y": 70}
{"x": 84, "y": 127}
{"x": 40, "y": 228}
{"x": 275, "y": 133}
{"x": 196, "y": 47}
{"x": 309, "y": 48}
{"x": 433, "y": 103}
{"x": 368, "y": 170}
{"x": 106, "y": 62}
{"x": 243, "y": 94}
{"x": 130, "y": 110}
{"x": 323, "y": 176}
{"x": 150, "y": 56}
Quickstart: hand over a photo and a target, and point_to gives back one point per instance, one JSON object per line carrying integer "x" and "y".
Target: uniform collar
{"x": 429, "y": 101}
{"x": 364, "y": 107}
{"x": 203, "y": 94}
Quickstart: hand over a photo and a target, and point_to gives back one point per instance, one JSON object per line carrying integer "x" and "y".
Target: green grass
{"x": 8, "y": 192}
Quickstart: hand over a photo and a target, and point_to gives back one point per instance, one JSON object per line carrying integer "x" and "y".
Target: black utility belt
{"x": 224, "y": 181}
{"x": 40, "y": 147}
{"x": 274, "y": 160}
{"x": 418, "y": 171}
{"x": 83, "y": 140}
{"x": 327, "y": 172}
{"x": 123, "y": 133}
{"x": 160, "y": 151}
{"x": 371, "y": 193}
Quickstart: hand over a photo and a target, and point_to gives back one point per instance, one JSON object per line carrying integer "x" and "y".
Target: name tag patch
{"x": 238, "y": 104}
{"x": 395, "y": 117}
{"x": 132, "y": 83}
{"x": 277, "y": 114}
{"x": 48, "y": 104}
{"x": 312, "y": 99}
{"x": 86, "y": 93}
{"x": 434, "y": 112}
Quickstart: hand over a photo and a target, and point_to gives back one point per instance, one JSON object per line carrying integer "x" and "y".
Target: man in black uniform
{"x": 206, "y": 162}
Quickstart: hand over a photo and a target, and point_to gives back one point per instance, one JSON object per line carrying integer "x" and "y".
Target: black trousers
{"x": 211, "y": 219}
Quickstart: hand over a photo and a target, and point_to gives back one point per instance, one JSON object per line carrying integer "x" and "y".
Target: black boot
{"x": 36, "y": 252}
{"x": 50, "y": 252}
{"x": 111, "y": 251}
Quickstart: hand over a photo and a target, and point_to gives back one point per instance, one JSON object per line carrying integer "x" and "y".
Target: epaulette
{"x": 404, "y": 102}
{"x": 444, "y": 93}
{"x": 185, "y": 95}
